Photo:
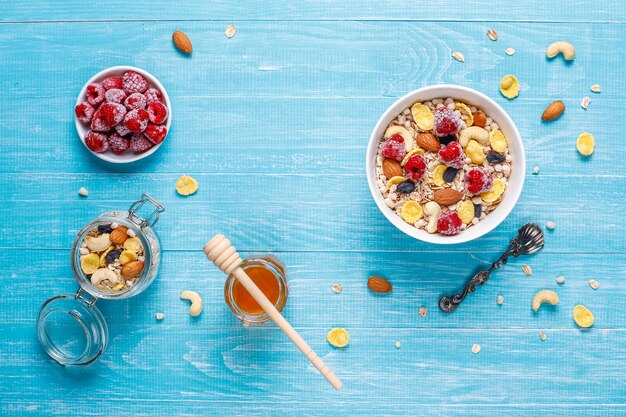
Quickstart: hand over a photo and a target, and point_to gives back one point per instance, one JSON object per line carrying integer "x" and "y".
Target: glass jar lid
{"x": 71, "y": 329}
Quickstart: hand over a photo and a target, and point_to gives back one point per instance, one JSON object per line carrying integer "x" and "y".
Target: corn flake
{"x": 127, "y": 256}
{"x": 585, "y": 143}
{"x": 495, "y": 193}
{"x": 474, "y": 151}
{"x": 132, "y": 244}
{"x": 509, "y": 87}
{"x": 338, "y": 337}
{"x": 424, "y": 118}
{"x": 186, "y": 185}
{"x": 438, "y": 175}
{"x": 466, "y": 211}
{"x": 411, "y": 211}
{"x": 395, "y": 180}
{"x": 466, "y": 112}
{"x": 583, "y": 317}
{"x": 90, "y": 263}
{"x": 498, "y": 141}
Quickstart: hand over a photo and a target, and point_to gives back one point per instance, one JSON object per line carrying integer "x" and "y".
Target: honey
{"x": 268, "y": 273}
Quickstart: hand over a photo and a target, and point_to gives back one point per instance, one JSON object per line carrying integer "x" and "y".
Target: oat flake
{"x": 560, "y": 279}
{"x": 423, "y": 311}
{"x": 596, "y": 88}
{"x": 398, "y": 345}
{"x": 500, "y": 300}
{"x": 550, "y": 225}
{"x": 585, "y": 102}
{"x": 528, "y": 271}
{"x": 594, "y": 284}
{"x": 458, "y": 56}
{"x": 475, "y": 348}
{"x": 493, "y": 35}
{"x": 336, "y": 288}
{"x": 542, "y": 336}
{"x": 509, "y": 51}
{"x": 230, "y": 31}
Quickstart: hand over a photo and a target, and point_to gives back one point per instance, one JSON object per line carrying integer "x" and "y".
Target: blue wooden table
{"x": 273, "y": 124}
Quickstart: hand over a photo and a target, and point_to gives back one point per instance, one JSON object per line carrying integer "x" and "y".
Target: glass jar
{"x": 268, "y": 273}
{"x": 70, "y": 327}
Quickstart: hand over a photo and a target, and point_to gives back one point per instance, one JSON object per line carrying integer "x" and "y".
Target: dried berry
{"x": 112, "y": 256}
{"x": 478, "y": 209}
{"x": 105, "y": 228}
{"x": 449, "y": 174}
{"x": 495, "y": 158}
{"x": 447, "y": 139}
{"x": 406, "y": 187}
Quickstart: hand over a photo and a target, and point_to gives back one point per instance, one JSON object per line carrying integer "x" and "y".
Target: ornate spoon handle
{"x": 529, "y": 240}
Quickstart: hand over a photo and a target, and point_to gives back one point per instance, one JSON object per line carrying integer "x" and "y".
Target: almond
{"x": 480, "y": 119}
{"x": 391, "y": 168}
{"x": 553, "y": 111}
{"x": 182, "y": 42}
{"x": 132, "y": 269}
{"x": 119, "y": 235}
{"x": 429, "y": 142}
{"x": 447, "y": 196}
{"x": 379, "y": 285}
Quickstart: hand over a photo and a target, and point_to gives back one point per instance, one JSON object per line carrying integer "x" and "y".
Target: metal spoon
{"x": 528, "y": 241}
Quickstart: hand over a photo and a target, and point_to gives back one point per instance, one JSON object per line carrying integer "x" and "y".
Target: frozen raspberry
{"x": 97, "y": 142}
{"x": 84, "y": 112}
{"x": 156, "y": 133}
{"x": 95, "y": 94}
{"x": 134, "y": 83}
{"x": 98, "y": 124}
{"x": 449, "y": 223}
{"x": 122, "y": 130}
{"x": 112, "y": 113}
{"x": 137, "y": 120}
{"x": 394, "y": 148}
{"x": 446, "y": 122}
{"x": 152, "y": 95}
{"x": 157, "y": 112}
{"x": 478, "y": 181}
{"x": 135, "y": 101}
{"x": 112, "y": 82}
{"x": 415, "y": 167}
{"x": 139, "y": 143}
{"x": 118, "y": 144}
{"x": 114, "y": 95}
{"x": 452, "y": 155}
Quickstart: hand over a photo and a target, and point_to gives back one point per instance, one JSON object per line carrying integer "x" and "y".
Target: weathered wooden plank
{"x": 418, "y": 279}
{"x": 447, "y": 10}
{"x": 433, "y": 366}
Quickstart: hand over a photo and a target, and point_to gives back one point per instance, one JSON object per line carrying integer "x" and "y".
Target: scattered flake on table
{"x": 159, "y": 316}
{"x": 230, "y": 31}
{"x": 528, "y": 271}
{"x": 550, "y": 225}
{"x": 585, "y": 102}
{"x": 594, "y": 284}
{"x": 542, "y": 336}
{"x": 423, "y": 311}
{"x": 398, "y": 345}
{"x": 493, "y": 35}
{"x": 596, "y": 88}
{"x": 475, "y": 348}
{"x": 83, "y": 192}
{"x": 500, "y": 300}
{"x": 536, "y": 170}
{"x": 509, "y": 51}
{"x": 560, "y": 279}
{"x": 336, "y": 288}
{"x": 458, "y": 56}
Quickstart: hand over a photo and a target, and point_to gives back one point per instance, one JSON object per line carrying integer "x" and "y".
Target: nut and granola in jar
{"x": 442, "y": 165}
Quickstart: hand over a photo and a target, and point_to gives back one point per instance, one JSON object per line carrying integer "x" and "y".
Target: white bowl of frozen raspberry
{"x": 445, "y": 164}
{"x": 123, "y": 114}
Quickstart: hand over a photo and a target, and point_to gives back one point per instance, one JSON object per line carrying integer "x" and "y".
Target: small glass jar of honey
{"x": 268, "y": 273}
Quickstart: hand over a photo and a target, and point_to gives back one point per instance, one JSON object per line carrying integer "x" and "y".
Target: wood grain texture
{"x": 273, "y": 124}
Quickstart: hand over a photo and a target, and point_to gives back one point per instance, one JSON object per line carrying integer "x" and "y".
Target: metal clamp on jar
{"x": 115, "y": 256}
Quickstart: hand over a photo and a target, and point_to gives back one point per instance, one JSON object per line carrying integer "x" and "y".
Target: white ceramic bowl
{"x": 83, "y": 128}
{"x": 516, "y": 150}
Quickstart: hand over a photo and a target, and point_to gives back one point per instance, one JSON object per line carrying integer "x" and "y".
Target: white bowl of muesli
{"x": 445, "y": 164}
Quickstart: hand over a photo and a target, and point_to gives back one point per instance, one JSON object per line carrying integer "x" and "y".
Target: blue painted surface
{"x": 274, "y": 123}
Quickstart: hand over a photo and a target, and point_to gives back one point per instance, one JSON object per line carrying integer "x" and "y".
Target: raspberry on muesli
{"x": 476, "y": 172}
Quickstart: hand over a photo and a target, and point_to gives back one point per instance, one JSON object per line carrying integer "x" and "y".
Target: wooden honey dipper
{"x": 223, "y": 254}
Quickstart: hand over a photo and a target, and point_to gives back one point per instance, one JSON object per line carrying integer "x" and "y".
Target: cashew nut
{"x": 477, "y": 133}
{"x": 561, "y": 47}
{"x": 104, "y": 274}
{"x": 196, "y": 302}
{"x": 432, "y": 210}
{"x": 544, "y": 296}
{"x": 409, "y": 142}
{"x": 98, "y": 244}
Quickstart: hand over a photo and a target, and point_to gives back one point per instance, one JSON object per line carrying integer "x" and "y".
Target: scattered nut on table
{"x": 544, "y": 296}
{"x": 83, "y": 192}
{"x": 561, "y": 47}
{"x": 196, "y": 302}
